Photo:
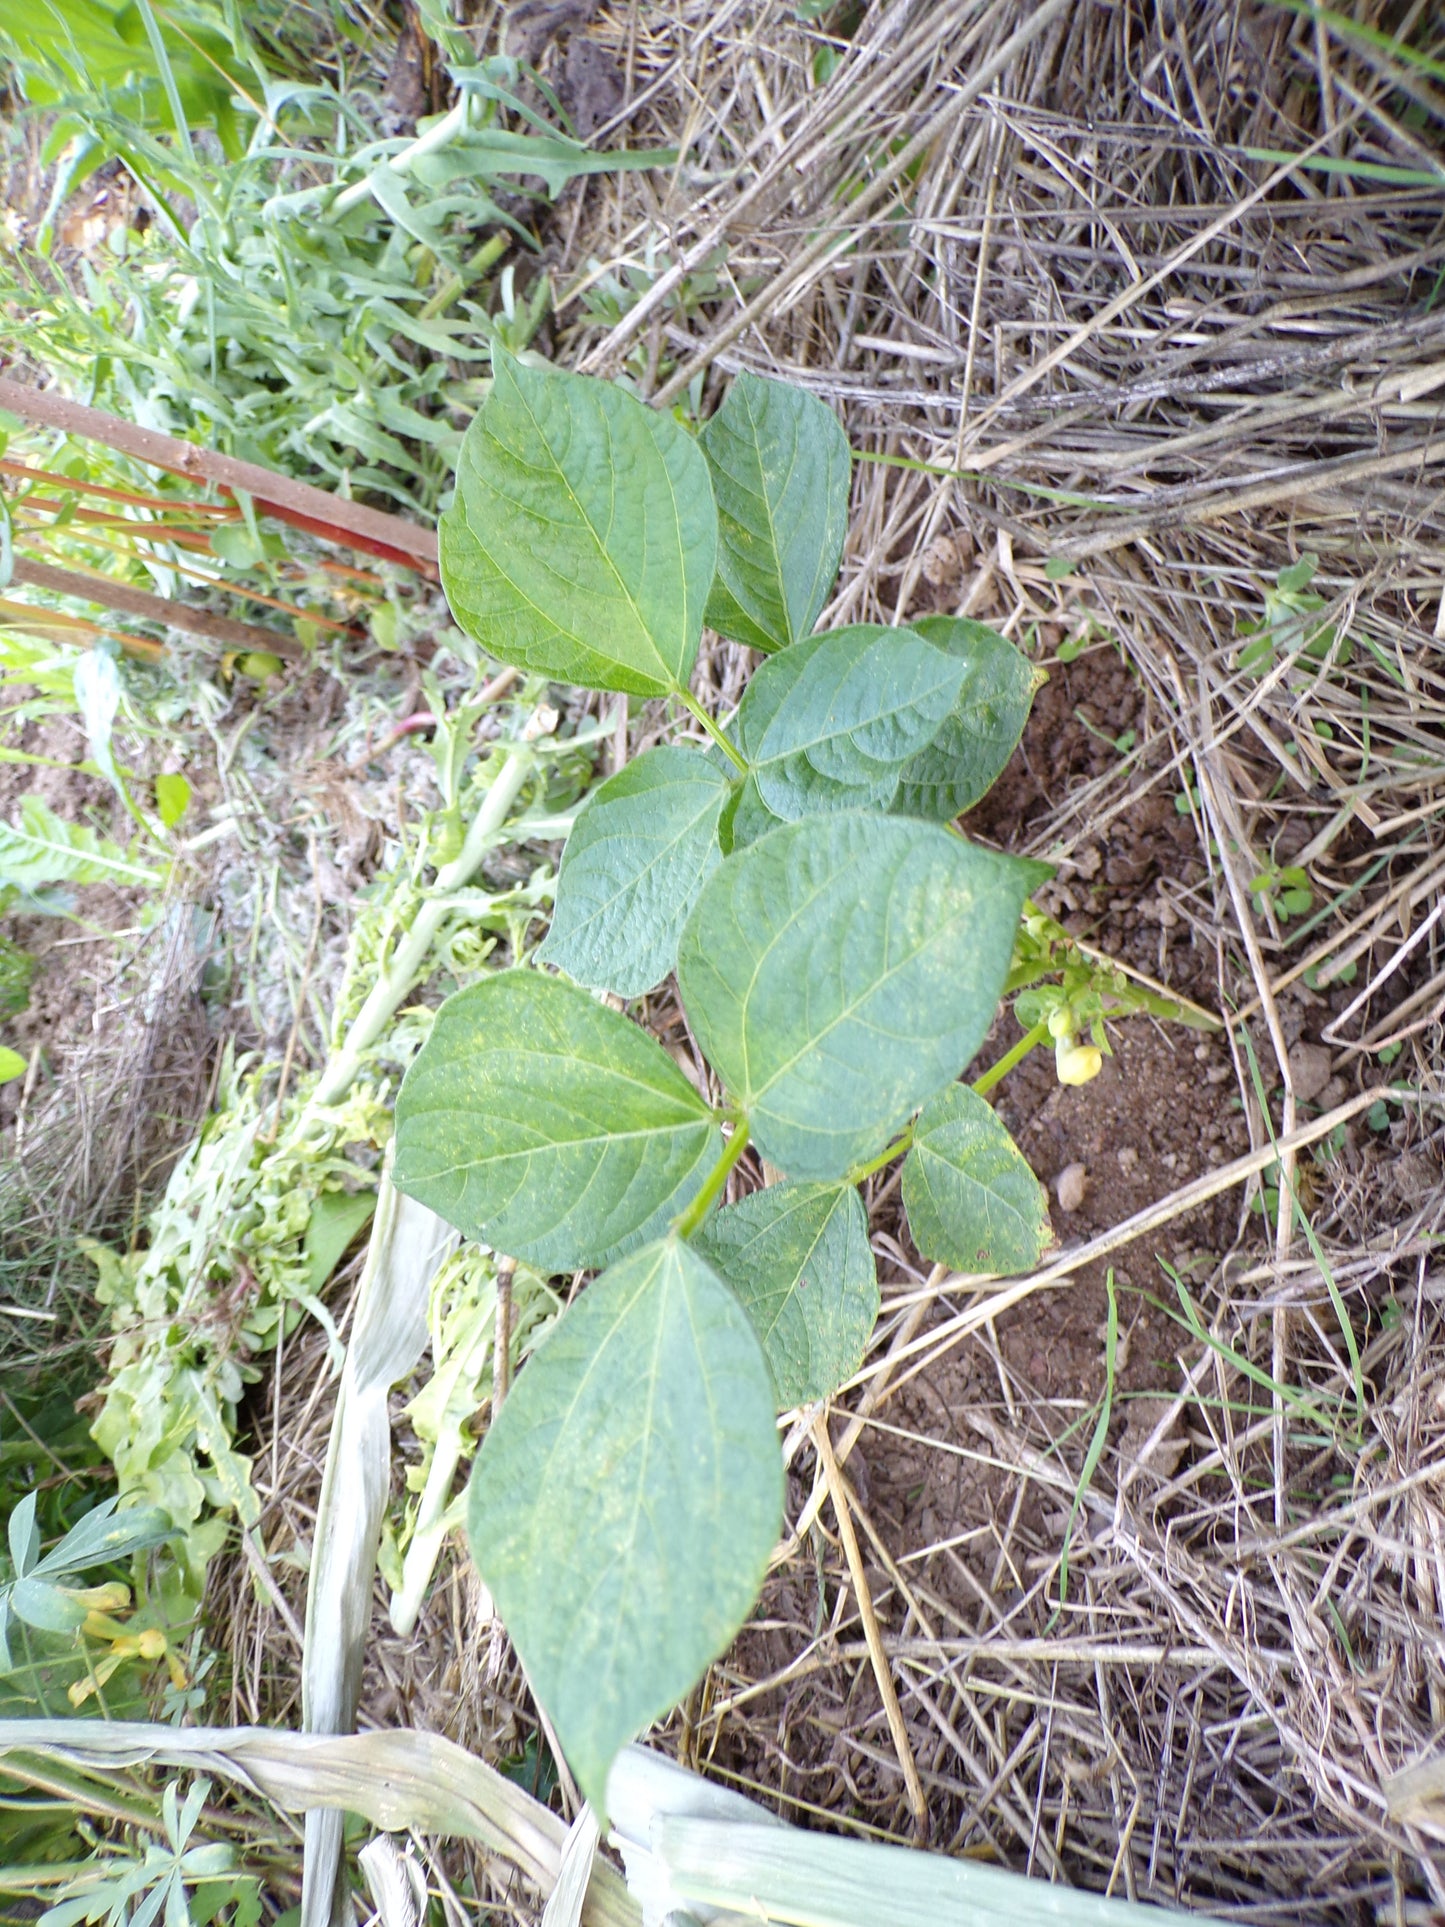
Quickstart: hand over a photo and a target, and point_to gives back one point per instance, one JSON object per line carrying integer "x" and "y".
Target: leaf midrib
{"x": 670, "y": 676}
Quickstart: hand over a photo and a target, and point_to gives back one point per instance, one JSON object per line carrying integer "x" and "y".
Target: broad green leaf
{"x": 780, "y": 469}
{"x": 839, "y": 971}
{"x": 627, "y": 1497}
{"x": 12, "y": 1064}
{"x": 829, "y": 724}
{"x": 237, "y": 545}
{"x": 640, "y": 851}
{"x": 336, "y": 1217}
{"x": 972, "y": 1200}
{"x": 548, "y": 1125}
{"x": 982, "y": 730}
{"x": 103, "y": 1535}
{"x": 46, "y": 1607}
{"x": 42, "y": 848}
{"x": 582, "y": 538}
{"x": 798, "y": 1257}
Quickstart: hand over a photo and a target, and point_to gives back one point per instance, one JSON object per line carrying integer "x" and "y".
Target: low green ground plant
{"x": 839, "y": 950}
{"x": 323, "y": 302}
{"x": 261, "y": 1207}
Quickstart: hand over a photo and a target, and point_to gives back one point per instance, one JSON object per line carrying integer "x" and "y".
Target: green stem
{"x": 399, "y": 977}
{"x": 895, "y": 1150}
{"x": 712, "y": 729}
{"x": 716, "y": 1179}
{"x": 486, "y": 256}
{"x": 997, "y": 1072}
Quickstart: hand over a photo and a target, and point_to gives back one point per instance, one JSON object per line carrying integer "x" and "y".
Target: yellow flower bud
{"x": 152, "y": 1643}
{"x": 1061, "y": 1023}
{"x": 99, "y": 1625}
{"x": 112, "y": 1597}
{"x": 1077, "y": 1063}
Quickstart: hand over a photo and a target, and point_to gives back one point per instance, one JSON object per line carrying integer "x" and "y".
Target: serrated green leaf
{"x": 830, "y": 723}
{"x": 498, "y": 154}
{"x": 626, "y": 1499}
{"x": 46, "y": 1607}
{"x": 972, "y": 1200}
{"x": 104, "y": 1535}
{"x": 23, "y": 1535}
{"x": 582, "y": 539}
{"x": 548, "y": 1125}
{"x": 41, "y": 848}
{"x": 798, "y": 1257}
{"x": 839, "y": 971}
{"x": 780, "y": 466}
{"x": 638, "y": 855}
{"x": 982, "y": 730}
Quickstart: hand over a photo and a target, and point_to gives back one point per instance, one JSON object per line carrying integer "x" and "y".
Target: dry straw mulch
{"x": 1157, "y": 292}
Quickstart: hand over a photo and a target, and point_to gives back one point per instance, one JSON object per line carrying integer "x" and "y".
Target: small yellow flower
{"x": 1061, "y": 1024}
{"x": 1077, "y": 1063}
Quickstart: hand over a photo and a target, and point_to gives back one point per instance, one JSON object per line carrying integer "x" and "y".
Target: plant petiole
{"x": 728, "y": 749}
{"x": 895, "y": 1150}
{"x": 993, "y": 1075}
{"x": 716, "y": 1179}
{"x": 997, "y": 1072}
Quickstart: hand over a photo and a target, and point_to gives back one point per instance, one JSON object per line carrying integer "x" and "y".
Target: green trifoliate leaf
{"x": 798, "y": 1257}
{"x": 780, "y": 467}
{"x": 583, "y": 536}
{"x": 981, "y": 731}
{"x": 640, "y": 851}
{"x": 547, "y": 1125}
{"x": 839, "y": 971}
{"x": 830, "y": 723}
{"x": 627, "y": 1497}
{"x": 972, "y": 1200}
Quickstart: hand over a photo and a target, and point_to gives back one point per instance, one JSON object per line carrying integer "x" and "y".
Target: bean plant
{"x": 839, "y": 951}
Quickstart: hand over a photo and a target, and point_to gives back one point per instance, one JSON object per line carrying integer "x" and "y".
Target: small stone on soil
{"x": 1309, "y": 1069}
{"x": 1071, "y": 1187}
